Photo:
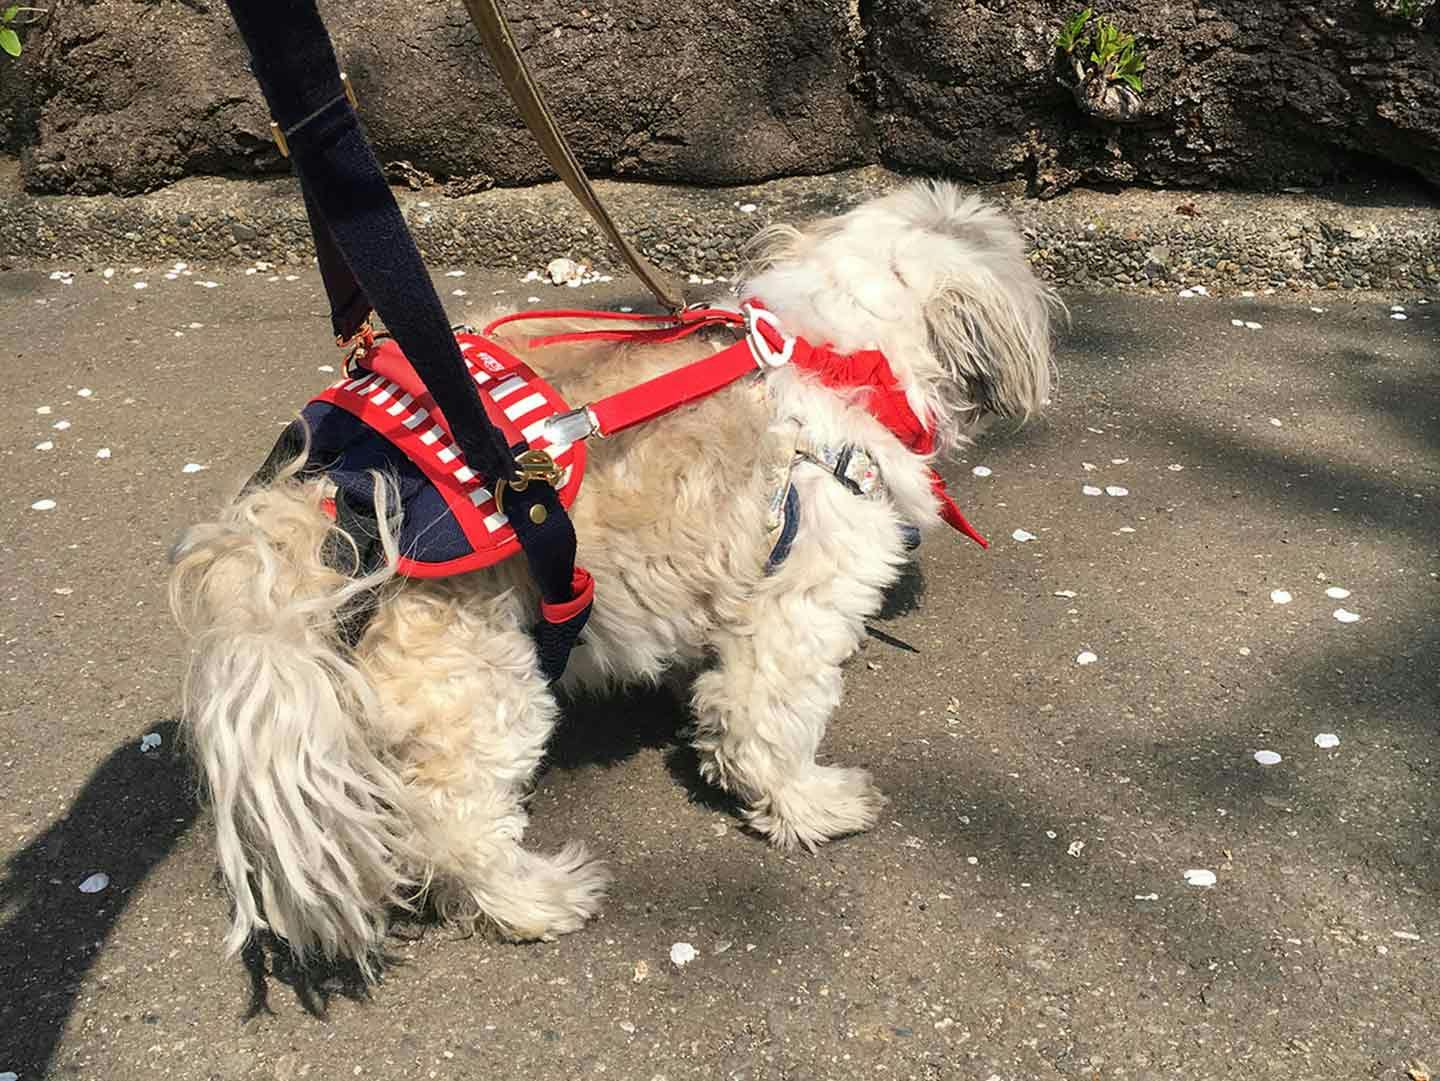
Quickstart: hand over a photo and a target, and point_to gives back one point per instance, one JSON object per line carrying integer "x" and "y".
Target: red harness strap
{"x": 866, "y": 371}
{"x": 654, "y": 397}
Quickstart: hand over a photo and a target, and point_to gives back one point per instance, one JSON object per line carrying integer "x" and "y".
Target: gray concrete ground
{"x": 1022, "y": 910}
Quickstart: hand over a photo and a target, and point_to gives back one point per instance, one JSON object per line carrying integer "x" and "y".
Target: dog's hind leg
{"x": 762, "y": 708}
{"x": 467, "y": 715}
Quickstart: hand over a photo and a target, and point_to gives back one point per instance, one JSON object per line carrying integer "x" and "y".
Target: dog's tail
{"x": 312, "y": 827}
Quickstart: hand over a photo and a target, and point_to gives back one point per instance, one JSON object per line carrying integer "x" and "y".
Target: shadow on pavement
{"x": 127, "y": 819}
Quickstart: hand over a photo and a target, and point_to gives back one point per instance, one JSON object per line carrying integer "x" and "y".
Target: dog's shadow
{"x": 127, "y": 820}
{"x": 605, "y": 730}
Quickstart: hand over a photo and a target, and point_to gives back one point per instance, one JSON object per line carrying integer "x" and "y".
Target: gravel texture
{"x": 1138, "y": 239}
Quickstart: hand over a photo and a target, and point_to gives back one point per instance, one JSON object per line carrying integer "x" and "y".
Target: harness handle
{"x": 370, "y": 259}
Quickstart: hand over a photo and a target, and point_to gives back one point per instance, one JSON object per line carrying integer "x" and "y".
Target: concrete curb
{"x": 1135, "y": 239}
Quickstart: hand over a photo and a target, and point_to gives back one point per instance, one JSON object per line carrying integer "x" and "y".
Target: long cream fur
{"x": 347, "y": 781}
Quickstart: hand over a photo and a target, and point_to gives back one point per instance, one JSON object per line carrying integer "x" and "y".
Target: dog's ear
{"x": 987, "y": 316}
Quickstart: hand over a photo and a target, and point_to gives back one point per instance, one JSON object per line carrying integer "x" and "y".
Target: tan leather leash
{"x": 490, "y": 21}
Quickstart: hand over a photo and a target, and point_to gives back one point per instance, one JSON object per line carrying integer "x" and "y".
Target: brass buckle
{"x": 365, "y": 336}
{"x": 278, "y": 133}
{"x": 532, "y": 465}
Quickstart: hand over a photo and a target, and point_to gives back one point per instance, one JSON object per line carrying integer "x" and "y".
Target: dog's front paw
{"x": 545, "y": 896}
{"x": 827, "y": 802}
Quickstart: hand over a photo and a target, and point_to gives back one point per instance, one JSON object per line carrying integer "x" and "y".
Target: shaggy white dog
{"x": 347, "y": 780}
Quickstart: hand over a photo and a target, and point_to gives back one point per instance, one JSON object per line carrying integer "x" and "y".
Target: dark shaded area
{"x": 125, "y": 822}
{"x": 315, "y": 983}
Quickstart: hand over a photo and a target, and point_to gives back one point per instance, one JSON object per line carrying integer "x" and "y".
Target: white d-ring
{"x": 765, "y": 354}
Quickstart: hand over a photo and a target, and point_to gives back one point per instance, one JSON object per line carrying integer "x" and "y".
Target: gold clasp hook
{"x": 531, "y": 465}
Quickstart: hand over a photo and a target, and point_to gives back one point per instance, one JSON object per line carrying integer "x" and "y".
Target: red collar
{"x": 884, "y": 399}
{"x": 882, "y": 396}
{"x": 866, "y": 371}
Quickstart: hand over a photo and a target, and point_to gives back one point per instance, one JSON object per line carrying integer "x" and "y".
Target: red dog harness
{"x": 765, "y": 345}
{"x": 388, "y": 397}
{"x": 381, "y": 418}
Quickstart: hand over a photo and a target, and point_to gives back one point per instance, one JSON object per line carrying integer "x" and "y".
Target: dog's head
{"x": 936, "y": 280}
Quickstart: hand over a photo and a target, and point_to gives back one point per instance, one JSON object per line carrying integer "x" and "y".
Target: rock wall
{"x": 129, "y": 95}
{"x": 1245, "y": 93}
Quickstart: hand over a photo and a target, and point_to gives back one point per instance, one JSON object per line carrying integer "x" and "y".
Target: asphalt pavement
{"x": 1066, "y": 726}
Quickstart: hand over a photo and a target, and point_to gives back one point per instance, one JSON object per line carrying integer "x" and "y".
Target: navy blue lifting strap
{"x": 369, "y": 259}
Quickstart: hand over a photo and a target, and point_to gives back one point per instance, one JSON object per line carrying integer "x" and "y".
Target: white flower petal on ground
{"x": 95, "y": 883}
{"x": 1085, "y": 657}
{"x": 1116, "y": 490}
{"x": 43, "y": 504}
{"x": 1346, "y": 616}
{"x": 1280, "y": 596}
{"x": 982, "y": 471}
{"x": 1198, "y": 876}
{"x": 1327, "y": 740}
{"x": 1023, "y": 535}
{"x": 1336, "y": 593}
{"x": 682, "y": 953}
{"x": 103, "y": 452}
{"x": 1090, "y": 489}
{"x": 193, "y": 467}
{"x": 1268, "y": 758}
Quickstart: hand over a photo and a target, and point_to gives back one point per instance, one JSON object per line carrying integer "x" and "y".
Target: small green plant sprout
{"x": 1102, "y": 66}
{"x": 1411, "y": 11}
{"x": 1072, "y": 35}
{"x": 11, "y": 18}
{"x": 1114, "y": 56}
